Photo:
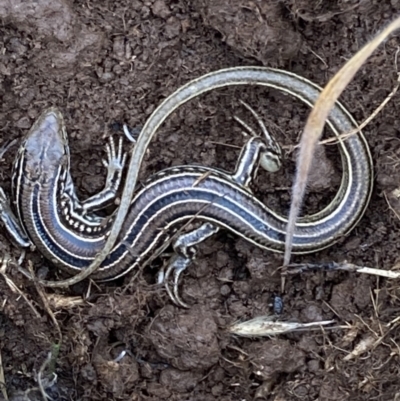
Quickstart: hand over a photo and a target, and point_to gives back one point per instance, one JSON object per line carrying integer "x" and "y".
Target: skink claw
{"x": 178, "y": 264}
{"x": 128, "y": 134}
{"x": 115, "y": 157}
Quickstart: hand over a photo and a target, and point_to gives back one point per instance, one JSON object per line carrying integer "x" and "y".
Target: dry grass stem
{"x": 264, "y": 326}
{"x": 3, "y": 379}
{"x": 315, "y": 124}
{"x": 13, "y": 287}
{"x": 370, "y": 270}
{"x": 366, "y": 344}
{"x": 45, "y": 301}
{"x": 349, "y": 267}
{"x": 57, "y": 301}
{"x": 336, "y": 139}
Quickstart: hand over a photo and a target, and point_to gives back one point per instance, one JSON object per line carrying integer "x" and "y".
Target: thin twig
{"x": 42, "y": 383}
{"x": 45, "y": 301}
{"x": 14, "y": 288}
{"x": 390, "y": 206}
{"x": 2, "y": 379}
{"x": 335, "y": 139}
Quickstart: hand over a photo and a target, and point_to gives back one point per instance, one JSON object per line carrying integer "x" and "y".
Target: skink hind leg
{"x": 11, "y": 223}
{"x": 259, "y": 149}
{"x": 185, "y": 253}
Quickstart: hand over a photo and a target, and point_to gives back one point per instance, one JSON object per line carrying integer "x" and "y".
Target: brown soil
{"x": 104, "y": 63}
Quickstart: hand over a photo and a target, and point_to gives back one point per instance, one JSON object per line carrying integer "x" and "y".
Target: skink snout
{"x": 45, "y": 147}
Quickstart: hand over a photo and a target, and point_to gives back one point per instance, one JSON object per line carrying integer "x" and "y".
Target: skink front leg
{"x": 12, "y": 224}
{"x": 114, "y": 164}
{"x": 264, "y": 151}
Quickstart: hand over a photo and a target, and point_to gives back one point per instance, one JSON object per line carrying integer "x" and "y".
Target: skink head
{"x": 271, "y": 157}
{"x": 45, "y": 148}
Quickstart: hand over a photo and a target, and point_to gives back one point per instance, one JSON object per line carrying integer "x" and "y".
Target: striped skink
{"x": 69, "y": 233}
